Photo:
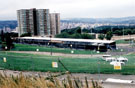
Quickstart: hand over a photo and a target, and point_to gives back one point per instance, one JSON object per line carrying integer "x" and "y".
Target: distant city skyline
{"x": 71, "y": 8}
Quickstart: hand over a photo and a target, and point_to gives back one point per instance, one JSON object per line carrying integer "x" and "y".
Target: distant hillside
{"x": 11, "y": 24}
{"x": 123, "y": 20}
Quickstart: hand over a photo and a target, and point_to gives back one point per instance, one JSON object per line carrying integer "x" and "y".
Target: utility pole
{"x": 98, "y": 69}
{"x": 123, "y": 32}
{"x": 111, "y": 29}
{"x": 6, "y": 49}
{"x": 98, "y": 62}
{"x": 91, "y": 30}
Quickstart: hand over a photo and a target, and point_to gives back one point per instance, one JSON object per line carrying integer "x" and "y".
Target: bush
{"x": 26, "y": 34}
{"x": 7, "y": 41}
{"x": 75, "y": 35}
{"x": 87, "y": 36}
{"x": 109, "y": 35}
{"x": 101, "y": 36}
{"x": 21, "y": 81}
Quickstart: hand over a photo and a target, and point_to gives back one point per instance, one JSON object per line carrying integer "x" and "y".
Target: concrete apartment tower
{"x": 43, "y": 22}
{"x": 23, "y": 21}
{"x": 34, "y": 21}
{"x": 54, "y": 23}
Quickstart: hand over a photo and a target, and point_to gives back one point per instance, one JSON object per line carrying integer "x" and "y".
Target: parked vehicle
{"x": 115, "y": 62}
{"x": 122, "y": 59}
{"x": 111, "y": 59}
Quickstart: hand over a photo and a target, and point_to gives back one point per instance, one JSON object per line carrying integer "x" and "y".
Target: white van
{"x": 114, "y": 62}
{"x": 111, "y": 59}
{"x": 105, "y": 56}
{"x": 122, "y": 59}
{"x": 108, "y": 58}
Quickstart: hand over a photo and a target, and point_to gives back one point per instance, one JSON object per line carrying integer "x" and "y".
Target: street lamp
{"x": 51, "y": 44}
{"x": 71, "y": 46}
{"x": 71, "y": 49}
{"x": 98, "y": 48}
{"x": 123, "y": 32}
{"x": 6, "y": 49}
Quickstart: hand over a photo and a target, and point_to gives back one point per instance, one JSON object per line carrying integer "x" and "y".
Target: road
{"x": 118, "y": 85}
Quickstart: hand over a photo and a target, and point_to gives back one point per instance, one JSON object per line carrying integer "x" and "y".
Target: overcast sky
{"x": 71, "y": 8}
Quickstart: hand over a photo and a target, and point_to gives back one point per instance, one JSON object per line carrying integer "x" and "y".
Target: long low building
{"x": 100, "y": 45}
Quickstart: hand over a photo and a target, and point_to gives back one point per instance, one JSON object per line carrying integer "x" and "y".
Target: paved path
{"x": 59, "y": 54}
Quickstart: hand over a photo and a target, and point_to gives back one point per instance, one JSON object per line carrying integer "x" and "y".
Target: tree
{"x": 118, "y": 32}
{"x": 78, "y": 30}
{"x": 12, "y": 34}
{"x": 63, "y": 35}
{"x": 25, "y": 34}
{"x": 7, "y": 41}
{"x": 87, "y": 36}
{"x": 86, "y": 30}
{"x": 2, "y": 36}
{"x": 109, "y": 35}
{"x": 76, "y": 35}
{"x": 101, "y": 36}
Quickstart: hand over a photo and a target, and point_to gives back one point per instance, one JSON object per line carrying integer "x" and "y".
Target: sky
{"x": 71, "y": 8}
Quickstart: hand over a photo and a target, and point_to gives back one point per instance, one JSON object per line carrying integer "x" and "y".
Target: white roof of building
{"x": 68, "y": 39}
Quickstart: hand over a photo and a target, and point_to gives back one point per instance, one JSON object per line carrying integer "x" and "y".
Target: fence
{"x": 43, "y": 63}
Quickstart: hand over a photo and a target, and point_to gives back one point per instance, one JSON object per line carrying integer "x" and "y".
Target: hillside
{"x": 12, "y": 24}
{"x": 122, "y": 20}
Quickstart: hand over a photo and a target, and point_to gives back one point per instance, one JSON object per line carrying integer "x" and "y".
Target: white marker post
{"x": 37, "y": 50}
{"x": 4, "y": 59}
{"x": 72, "y": 51}
{"x": 98, "y": 51}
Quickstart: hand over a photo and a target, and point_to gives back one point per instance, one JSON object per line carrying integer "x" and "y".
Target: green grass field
{"x": 31, "y": 62}
{"x": 121, "y": 42}
{"x": 22, "y": 47}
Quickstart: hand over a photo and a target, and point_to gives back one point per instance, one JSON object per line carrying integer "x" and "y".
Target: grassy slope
{"x": 22, "y": 47}
{"x": 43, "y": 63}
{"x": 122, "y": 42}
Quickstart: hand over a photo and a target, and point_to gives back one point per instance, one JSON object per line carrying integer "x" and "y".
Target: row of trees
{"x": 106, "y": 32}
{"x": 107, "y": 36}
{"x": 124, "y": 32}
{"x": 75, "y": 33}
{"x": 117, "y": 30}
{"x": 83, "y": 34}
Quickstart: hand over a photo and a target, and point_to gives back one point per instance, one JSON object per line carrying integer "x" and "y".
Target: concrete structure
{"x": 37, "y": 22}
{"x": 99, "y": 45}
{"x": 23, "y": 21}
{"x": 55, "y": 23}
{"x": 43, "y": 22}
